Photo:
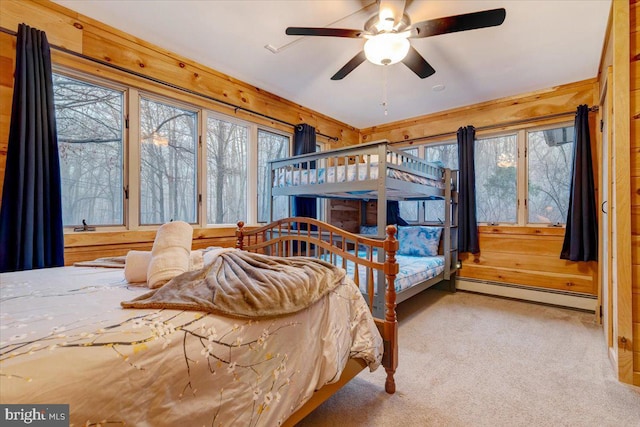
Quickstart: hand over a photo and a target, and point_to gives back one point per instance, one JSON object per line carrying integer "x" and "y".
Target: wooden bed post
{"x": 240, "y": 235}
{"x": 391, "y": 268}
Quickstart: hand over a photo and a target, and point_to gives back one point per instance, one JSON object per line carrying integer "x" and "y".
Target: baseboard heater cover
{"x": 528, "y": 293}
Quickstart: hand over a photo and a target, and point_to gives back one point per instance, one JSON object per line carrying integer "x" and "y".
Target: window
{"x": 168, "y": 137}
{"x": 271, "y": 146}
{"x": 183, "y": 161}
{"x": 549, "y": 162}
{"x": 226, "y": 171}
{"x": 90, "y": 121}
{"x": 447, "y": 155}
{"x": 496, "y": 168}
{"x": 409, "y": 210}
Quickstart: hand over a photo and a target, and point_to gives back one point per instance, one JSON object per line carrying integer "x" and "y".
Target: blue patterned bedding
{"x": 413, "y": 269}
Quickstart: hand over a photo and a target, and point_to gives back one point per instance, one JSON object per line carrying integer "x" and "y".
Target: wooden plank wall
{"x": 513, "y": 255}
{"x": 84, "y": 35}
{"x": 635, "y": 180}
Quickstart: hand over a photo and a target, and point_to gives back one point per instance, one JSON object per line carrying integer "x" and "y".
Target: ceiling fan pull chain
{"x": 384, "y": 90}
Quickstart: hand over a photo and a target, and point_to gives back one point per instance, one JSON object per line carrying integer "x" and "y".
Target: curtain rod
{"x": 592, "y": 109}
{"x": 170, "y": 85}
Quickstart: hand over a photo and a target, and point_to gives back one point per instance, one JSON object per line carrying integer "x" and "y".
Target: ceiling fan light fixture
{"x": 386, "y": 48}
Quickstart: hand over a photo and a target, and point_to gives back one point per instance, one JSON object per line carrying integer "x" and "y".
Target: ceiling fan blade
{"x": 418, "y": 64}
{"x": 391, "y": 10}
{"x": 452, "y": 24}
{"x": 327, "y": 32}
{"x": 349, "y": 66}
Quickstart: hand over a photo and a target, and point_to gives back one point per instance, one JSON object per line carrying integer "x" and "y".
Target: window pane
{"x": 447, "y": 154}
{"x": 550, "y": 154}
{"x": 168, "y": 136}
{"x": 271, "y": 146}
{"x": 226, "y": 171}
{"x": 409, "y": 210}
{"x": 496, "y": 179}
{"x": 89, "y": 123}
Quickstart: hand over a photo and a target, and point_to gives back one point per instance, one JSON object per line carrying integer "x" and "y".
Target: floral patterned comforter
{"x": 65, "y": 339}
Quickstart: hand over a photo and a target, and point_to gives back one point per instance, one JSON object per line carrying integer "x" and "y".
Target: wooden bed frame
{"x": 300, "y": 236}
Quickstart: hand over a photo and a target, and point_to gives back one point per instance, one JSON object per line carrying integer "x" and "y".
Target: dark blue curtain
{"x": 393, "y": 214}
{"x": 581, "y": 236}
{"x": 31, "y": 215}
{"x": 467, "y": 222}
{"x": 304, "y": 141}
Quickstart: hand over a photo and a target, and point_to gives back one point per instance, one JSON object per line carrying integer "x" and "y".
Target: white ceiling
{"x": 541, "y": 44}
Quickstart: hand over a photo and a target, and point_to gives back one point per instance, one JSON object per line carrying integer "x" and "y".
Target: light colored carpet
{"x": 473, "y": 360}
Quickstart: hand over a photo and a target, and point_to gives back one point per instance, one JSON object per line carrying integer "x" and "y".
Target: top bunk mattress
{"x": 350, "y": 173}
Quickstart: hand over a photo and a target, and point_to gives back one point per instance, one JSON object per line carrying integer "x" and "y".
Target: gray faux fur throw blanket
{"x": 245, "y": 284}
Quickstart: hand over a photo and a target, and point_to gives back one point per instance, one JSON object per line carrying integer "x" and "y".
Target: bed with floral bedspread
{"x": 65, "y": 338}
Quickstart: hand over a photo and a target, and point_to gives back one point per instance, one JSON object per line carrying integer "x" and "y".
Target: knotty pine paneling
{"x": 88, "y": 246}
{"x": 528, "y": 256}
{"x": 60, "y": 24}
{"x": 634, "y": 15}
{"x": 559, "y": 99}
{"x": 540, "y": 279}
{"x": 635, "y": 191}
{"x": 527, "y": 261}
{"x": 7, "y": 63}
{"x": 634, "y": 44}
{"x": 82, "y": 34}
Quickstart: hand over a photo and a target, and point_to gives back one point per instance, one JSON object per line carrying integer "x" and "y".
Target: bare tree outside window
{"x": 496, "y": 179}
{"x": 271, "y": 146}
{"x": 409, "y": 210}
{"x": 550, "y": 153}
{"x": 168, "y": 136}
{"x": 226, "y": 171}
{"x": 447, "y": 156}
{"x": 89, "y": 121}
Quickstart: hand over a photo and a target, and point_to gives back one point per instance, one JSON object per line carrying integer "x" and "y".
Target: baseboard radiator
{"x": 529, "y": 293}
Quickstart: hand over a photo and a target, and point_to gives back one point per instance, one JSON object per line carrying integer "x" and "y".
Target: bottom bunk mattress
{"x": 412, "y": 269}
{"x": 65, "y": 339}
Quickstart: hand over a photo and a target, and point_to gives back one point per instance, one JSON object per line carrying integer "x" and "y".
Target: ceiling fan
{"x": 388, "y": 33}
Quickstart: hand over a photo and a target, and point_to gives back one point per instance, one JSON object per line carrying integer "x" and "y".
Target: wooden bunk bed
{"x": 312, "y": 238}
{"x": 376, "y": 171}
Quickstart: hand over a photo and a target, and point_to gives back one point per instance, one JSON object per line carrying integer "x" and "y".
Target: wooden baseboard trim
{"x": 526, "y": 293}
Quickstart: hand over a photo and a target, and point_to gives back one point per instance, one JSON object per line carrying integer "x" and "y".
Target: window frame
{"x": 518, "y": 133}
{"x": 137, "y": 151}
{"x": 522, "y": 165}
{"x": 131, "y": 151}
{"x": 422, "y": 208}
{"x": 290, "y": 149}
{"x": 526, "y": 132}
{"x": 252, "y": 163}
{"x": 124, "y": 89}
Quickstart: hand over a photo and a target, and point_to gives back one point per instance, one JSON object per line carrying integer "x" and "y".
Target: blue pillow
{"x": 419, "y": 240}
